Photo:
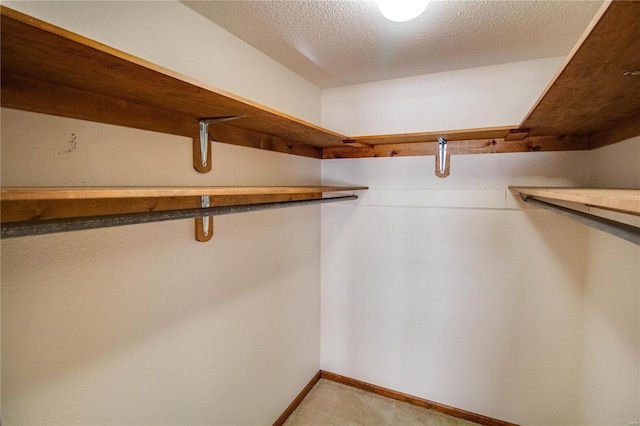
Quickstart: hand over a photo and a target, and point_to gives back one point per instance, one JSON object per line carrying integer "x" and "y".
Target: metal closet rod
{"x": 621, "y": 230}
{"x": 23, "y": 229}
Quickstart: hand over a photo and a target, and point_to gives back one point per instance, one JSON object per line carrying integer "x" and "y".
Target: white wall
{"x": 453, "y": 290}
{"x": 142, "y": 324}
{"x": 498, "y": 95}
{"x": 445, "y": 290}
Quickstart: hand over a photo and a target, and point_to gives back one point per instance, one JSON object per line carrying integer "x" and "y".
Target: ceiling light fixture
{"x": 401, "y": 10}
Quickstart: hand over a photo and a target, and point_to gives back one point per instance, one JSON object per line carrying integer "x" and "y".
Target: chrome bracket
{"x": 206, "y": 202}
{"x": 442, "y": 170}
{"x": 204, "y": 142}
{"x": 204, "y": 224}
{"x": 202, "y": 161}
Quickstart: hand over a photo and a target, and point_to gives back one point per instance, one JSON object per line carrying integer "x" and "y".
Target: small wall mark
{"x": 73, "y": 144}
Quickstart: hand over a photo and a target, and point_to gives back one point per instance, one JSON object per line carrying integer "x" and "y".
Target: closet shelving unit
{"x": 50, "y": 70}
{"x": 592, "y": 102}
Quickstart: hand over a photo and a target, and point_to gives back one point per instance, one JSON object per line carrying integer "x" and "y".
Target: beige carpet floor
{"x": 331, "y": 403}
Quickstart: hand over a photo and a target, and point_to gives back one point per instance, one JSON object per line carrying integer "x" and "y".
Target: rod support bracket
{"x": 204, "y": 225}
{"x": 442, "y": 159}
{"x": 202, "y": 143}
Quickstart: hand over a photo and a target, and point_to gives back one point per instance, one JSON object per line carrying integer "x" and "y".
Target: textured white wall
{"x": 496, "y": 95}
{"x": 142, "y": 324}
{"x": 446, "y": 290}
{"x": 453, "y": 290}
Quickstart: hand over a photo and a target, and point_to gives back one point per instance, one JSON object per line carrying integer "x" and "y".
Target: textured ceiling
{"x": 336, "y": 43}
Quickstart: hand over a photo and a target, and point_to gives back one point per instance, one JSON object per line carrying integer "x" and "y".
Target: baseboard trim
{"x": 420, "y": 402}
{"x": 291, "y": 408}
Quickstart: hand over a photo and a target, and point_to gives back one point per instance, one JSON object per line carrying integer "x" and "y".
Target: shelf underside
{"x": 591, "y": 94}
{"x": 40, "y": 54}
{"x": 621, "y": 200}
{"x": 50, "y": 70}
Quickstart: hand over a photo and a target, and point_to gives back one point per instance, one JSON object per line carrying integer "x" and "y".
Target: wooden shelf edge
{"x": 42, "y": 204}
{"x": 70, "y": 193}
{"x": 462, "y": 147}
{"x": 620, "y": 200}
{"x": 432, "y": 136}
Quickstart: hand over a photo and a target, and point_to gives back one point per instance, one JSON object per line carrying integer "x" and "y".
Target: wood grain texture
{"x": 30, "y": 94}
{"x": 291, "y": 408}
{"x": 229, "y": 133}
{"x": 479, "y": 146}
{"x": 621, "y": 132}
{"x": 622, "y": 200}
{"x": 33, "y": 95}
{"x": 517, "y": 134}
{"x": 36, "y": 50}
{"x": 414, "y": 400}
{"x": 30, "y": 209}
{"x": 449, "y": 135}
{"x": 590, "y": 94}
{"x": 74, "y": 193}
{"x": 355, "y": 144}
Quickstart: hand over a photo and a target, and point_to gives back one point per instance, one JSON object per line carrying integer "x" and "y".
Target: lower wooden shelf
{"x": 621, "y": 200}
{"x": 35, "y": 211}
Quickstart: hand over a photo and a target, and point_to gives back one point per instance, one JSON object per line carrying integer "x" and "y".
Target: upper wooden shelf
{"x": 591, "y": 95}
{"x": 44, "y": 65}
{"x": 622, "y": 200}
{"x": 47, "y": 69}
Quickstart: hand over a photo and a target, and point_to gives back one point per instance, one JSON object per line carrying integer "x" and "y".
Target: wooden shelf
{"x": 621, "y": 200}
{"x": 591, "y": 95}
{"x": 480, "y": 141}
{"x": 76, "y": 193}
{"x": 50, "y": 70}
{"x": 24, "y": 204}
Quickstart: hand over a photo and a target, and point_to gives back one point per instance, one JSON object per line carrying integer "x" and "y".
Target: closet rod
{"x": 621, "y": 230}
{"x": 23, "y": 229}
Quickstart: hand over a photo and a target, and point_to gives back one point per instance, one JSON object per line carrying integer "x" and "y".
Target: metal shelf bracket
{"x": 202, "y": 150}
{"x": 204, "y": 225}
{"x": 442, "y": 163}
